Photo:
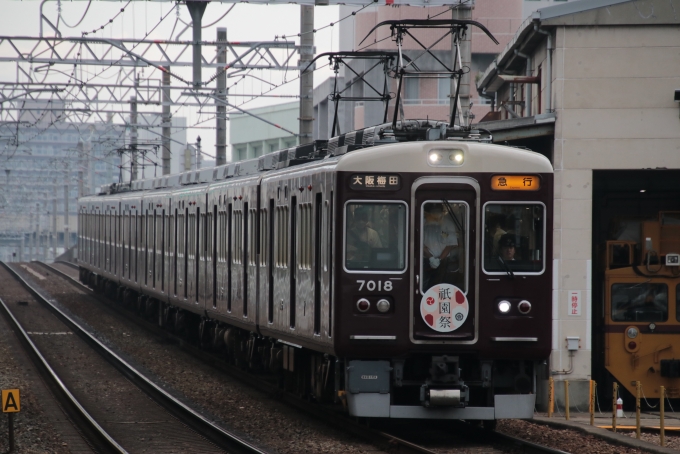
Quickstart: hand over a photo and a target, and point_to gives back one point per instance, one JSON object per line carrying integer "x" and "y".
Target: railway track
{"x": 116, "y": 408}
{"x": 402, "y": 438}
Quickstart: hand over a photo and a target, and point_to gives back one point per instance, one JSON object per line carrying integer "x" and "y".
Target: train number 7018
{"x": 373, "y": 286}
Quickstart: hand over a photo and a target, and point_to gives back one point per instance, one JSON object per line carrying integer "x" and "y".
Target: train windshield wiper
{"x": 507, "y": 268}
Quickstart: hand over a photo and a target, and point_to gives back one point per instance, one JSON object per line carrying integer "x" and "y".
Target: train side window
{"x": 641, "y": 302}
{"x": 375, "y": 237}
{"x": 252, "y": 237}
{"x": 264, "y": 237}
{"x": 282, "y": 236}
{"x": 238, "y": 236}
{"x": 305, "y": 239}
{"x": 514, "y": 238}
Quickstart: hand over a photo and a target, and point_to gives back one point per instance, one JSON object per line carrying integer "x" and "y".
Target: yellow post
{"x": 662, "y": 429}
{"x": 551, "y": 397}
{"x": 592, "y": 402}
{"x": 638, "y": 387}
{"x": 615, "y": 395}
{"x": 566, "y": 399}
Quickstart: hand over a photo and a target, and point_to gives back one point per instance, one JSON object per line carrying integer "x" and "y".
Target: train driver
{"x": 506, "y": 246}
{"x": 361, "y": 238}
{"x": 439, "y": 243}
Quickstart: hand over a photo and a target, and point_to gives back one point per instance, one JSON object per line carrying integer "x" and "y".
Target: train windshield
{"x": 444, "y": 241}
{"x": 514, "y": 238}
{"x": 639, "y": 302}
{"x": 375, "y": 237}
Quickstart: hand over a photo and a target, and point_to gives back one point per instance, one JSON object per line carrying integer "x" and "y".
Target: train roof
{"x": 411, "y": 140}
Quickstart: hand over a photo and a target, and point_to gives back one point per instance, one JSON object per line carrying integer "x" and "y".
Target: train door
{"x": 159, "y": 250}
{"x": 444, "y": 243}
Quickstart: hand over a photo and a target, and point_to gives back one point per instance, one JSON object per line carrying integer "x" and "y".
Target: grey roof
{"x": 574, "y": 13}
{"x": 573, "y": 7}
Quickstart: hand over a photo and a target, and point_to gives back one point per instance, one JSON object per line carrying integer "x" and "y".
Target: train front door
{"x": 444, "y": 239}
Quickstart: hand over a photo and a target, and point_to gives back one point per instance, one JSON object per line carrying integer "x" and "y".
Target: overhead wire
{"x": 81, "y": 19}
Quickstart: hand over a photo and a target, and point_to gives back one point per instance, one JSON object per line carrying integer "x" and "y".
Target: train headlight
{"x": 383, "y": 305}
{"x": 363, "y": 305}
{"x": 434, "y": 157}
{"x": 524, "y": 307}
{"x": 456, "y": 157}
{"x": 632, "y": 332}
{"x": 504, "y": 307}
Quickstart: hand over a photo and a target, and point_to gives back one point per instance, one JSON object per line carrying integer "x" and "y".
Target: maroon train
{"x": 410, "y": 278}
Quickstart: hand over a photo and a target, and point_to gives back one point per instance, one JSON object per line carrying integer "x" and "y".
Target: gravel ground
{"x": 569, "y": 440}
{"x": 258, "y": 417}
{"x": 34, "y": 431}
{"x": 672, "y": 439}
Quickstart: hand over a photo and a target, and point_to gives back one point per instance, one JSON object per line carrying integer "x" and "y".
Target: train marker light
{"x": 652, "y": 326}
{"x": 504, "y": 307}
{"x": 383, "y": 305}
{"x": 524, "y": 307}
{"x": 632, "y": 345}
{"x": 363, "y": 305}
{"x": 632, "y": 332}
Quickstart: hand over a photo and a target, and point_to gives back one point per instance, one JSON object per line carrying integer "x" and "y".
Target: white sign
{"x": 574, "y": 302}
{"x": 444, "y": 308}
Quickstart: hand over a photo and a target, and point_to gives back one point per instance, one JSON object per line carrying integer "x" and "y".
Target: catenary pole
{"x": 306, "y": 78}
{"x": 167, "y": 123}
{"x": 221, "y": 117}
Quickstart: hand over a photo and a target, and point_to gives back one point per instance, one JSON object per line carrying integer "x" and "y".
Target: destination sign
{"x": 361, "y": 182}
{"x": 515, "y": 183}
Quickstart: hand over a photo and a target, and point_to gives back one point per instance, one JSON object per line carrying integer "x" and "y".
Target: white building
{"x": 591, "y": 85}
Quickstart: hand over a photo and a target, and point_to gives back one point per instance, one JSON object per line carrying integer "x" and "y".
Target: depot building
{"x": 594, "y": 85}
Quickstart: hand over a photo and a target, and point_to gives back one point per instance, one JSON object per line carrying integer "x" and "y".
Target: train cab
{"x": 443, "y": 291}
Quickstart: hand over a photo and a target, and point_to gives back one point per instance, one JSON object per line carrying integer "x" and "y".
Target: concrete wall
{"x": 613, "y": 96}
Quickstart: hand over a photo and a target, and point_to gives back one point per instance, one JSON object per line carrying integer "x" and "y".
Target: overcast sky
{"x": 244, "y": 23}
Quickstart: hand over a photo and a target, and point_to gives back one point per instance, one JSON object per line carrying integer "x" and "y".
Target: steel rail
{"x": 92, "y": 432}
{"x": 374, "y": 436}
{"x": 527, "y": 446}
{"x": 200, "y": 424}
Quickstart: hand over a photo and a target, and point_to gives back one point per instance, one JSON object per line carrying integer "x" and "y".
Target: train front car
{"x": 444, "y": 279}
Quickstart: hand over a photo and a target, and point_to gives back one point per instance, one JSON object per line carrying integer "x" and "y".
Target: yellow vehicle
{"x": 642, "y": 308}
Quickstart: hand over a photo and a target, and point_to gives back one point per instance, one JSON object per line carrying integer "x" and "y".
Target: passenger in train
{"x": 439, "y": 242}
{"x": 497, "y": 231}
{"x": 361, "y": 238}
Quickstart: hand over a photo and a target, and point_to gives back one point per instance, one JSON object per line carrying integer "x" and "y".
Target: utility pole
{"x": 306, "y": 78}
{"x": 54, "y": 225}
{"x": 67, "y": 240}
{"x": 462, "y": 12}
{"x": 36, "y": 228}
{"x": 221, "y": 126}
{"x": 133, "y": 137}
{"x": 167, "y": 122}
{"x": 196, "y": 9}
{"x": 81, "y": 182}
{"x": 31, "y": 241}
{"x": 89, "y": 171}
{"x": 198, "y": 152}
